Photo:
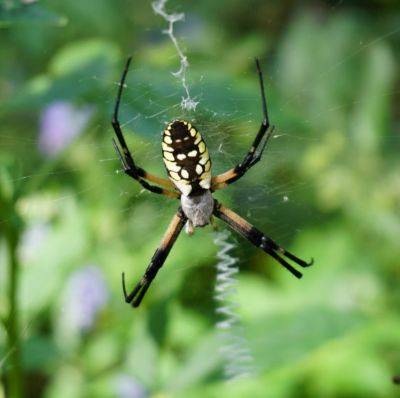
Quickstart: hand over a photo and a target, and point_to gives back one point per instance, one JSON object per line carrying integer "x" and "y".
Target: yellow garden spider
{"x": 188, "y": 164}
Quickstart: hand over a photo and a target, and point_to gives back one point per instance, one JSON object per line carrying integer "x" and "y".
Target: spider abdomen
{"x": 186, "y": 158}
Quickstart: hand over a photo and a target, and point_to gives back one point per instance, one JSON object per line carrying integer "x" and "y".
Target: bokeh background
{"x": 328, "y": 187}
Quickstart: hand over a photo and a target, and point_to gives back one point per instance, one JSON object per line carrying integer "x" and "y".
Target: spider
{"x": 188, "y": 165}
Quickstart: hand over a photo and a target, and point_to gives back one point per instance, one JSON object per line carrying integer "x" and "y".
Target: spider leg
{"x": 136, "y": 295}
{"x": 257, "y": 148}
{"x": 259, "y": 239}
{"x": 125, "y": 156}
{"x": 132, "y": 173}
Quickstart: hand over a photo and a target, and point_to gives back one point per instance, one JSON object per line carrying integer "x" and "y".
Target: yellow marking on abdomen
{"x": 175, "y": 176}
{"x": 166, "y": 147}
{"x": 169, "y": 156}
{"x": 171, "y": 166}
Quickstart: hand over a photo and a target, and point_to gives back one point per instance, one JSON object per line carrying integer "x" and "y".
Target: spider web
{"x": 219, "y": 115}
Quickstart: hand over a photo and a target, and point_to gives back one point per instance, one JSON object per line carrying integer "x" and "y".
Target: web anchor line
{"x": 234, "y": 348}
{"x": 187, "y": 103}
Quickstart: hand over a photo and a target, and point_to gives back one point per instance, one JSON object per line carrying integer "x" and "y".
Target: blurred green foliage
{"x": 328, "y": 187}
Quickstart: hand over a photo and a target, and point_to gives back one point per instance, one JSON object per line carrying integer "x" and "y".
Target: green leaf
{"x": 29, "y": 14}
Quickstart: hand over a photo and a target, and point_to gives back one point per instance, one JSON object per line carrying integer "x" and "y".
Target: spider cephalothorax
{"x": 188, "y": 164}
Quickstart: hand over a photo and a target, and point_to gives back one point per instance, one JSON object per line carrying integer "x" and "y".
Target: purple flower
{"x": 60, "y": 123}
{"x": 85, "y": 295}
{"x": 127, "y": 387}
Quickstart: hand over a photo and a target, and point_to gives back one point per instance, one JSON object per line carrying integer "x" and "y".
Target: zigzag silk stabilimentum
{"x": 234, "y": 346}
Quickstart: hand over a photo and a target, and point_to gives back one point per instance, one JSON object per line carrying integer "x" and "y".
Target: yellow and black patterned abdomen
{"x": 186, "y": 158}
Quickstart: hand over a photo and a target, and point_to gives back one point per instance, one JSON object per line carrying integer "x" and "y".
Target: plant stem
{"x": 14, "y": 346}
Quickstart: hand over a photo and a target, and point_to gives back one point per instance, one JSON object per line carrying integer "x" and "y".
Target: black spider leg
{"x": 256, "y": 151}
{"x": 132, "y": 173}
{"x": 157, "y": 261}
{"x": 115, "y": 121}
{"x": 265, "y": 132}
{"x": 125, "y": 156}
{"x": 259, "y": 239}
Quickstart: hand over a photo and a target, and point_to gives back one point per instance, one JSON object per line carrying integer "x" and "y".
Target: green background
{"x": 327, "y": 187}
